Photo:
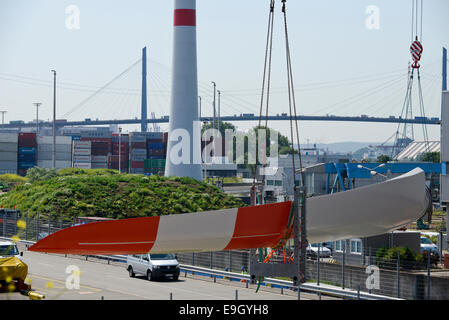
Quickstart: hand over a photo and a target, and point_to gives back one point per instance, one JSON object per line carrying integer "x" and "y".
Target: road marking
{"x": 190, "y": 291}
{"x": 63, "y": 282}
{"x": 45, "y": 264}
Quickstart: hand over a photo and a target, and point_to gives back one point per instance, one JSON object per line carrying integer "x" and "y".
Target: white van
{"x": 153, "y": 265}
{"x": 9, "y": 249}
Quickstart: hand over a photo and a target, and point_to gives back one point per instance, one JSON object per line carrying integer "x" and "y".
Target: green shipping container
{"x": 154, "y": 163}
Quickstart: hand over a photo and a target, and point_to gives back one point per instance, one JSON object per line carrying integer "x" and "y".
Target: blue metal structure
{"x": 351, "y": 171}
{"x": 144, "y": 116}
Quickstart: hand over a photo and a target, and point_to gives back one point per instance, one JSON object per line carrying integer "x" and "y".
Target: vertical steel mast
{"x": 144, "y": 116}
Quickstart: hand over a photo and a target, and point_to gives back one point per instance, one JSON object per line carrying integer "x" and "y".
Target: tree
{"x": 430, "y": 157}
{"x": 223, "y": 127}
{"x": 383, "y": 158}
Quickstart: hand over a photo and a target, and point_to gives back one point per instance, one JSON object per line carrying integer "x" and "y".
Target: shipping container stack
{"x": 101, "y": 145}
{"x": 45, "y": 152}
{"x": 27, "y": 152}
{"x": 82, "y": 154}
{"x": 100, "y": 152}
{"x": 156, "y": 150}
{"x": 114, "y": 159}
{"x": 8, "y": 153}
{"x": 137, "y": 152}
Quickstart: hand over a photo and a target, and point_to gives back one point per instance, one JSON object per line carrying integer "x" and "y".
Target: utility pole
{"x": 199, "y": 103}
{"x": 219, "y": 95}
{"x": 215, "y": 90}
{"x": 3, "y": 116}
{"x": 119, "y": 150}
{"x": 37, "y": 104}
{"x": 54, "y": 120}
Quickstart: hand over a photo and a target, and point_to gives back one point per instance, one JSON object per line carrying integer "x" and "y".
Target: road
{"x": 99, "y": 280}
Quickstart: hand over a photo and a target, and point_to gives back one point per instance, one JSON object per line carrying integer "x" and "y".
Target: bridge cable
{"x": 101, "y": 88}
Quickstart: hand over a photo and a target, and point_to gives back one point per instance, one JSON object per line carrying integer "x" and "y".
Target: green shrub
{"x": 40, "y": 174}
{"x": 387, "y": 258}
{"x": 8, "y": 181}
{"x": 105, "y": 193}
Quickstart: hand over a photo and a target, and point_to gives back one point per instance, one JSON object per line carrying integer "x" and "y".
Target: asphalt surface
{"x": 98, "y": 280}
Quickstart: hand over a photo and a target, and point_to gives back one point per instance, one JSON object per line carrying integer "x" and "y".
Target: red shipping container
{"x": 27, "y": 140}
{"x": 137, "y": 164}
{"x": 124, "y": 147}
{"x": 115, "y": 166}
{"x": 96, "y": 139}
{"x": 115, "y": 158}
{"x": 27, "y": 135}
{"x": 138, "y": 145}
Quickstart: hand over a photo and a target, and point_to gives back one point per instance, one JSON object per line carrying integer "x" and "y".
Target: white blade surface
{"x": 367, "y": 211}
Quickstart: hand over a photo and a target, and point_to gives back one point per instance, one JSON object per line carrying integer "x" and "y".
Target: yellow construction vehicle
{"x": 13, "y": 272}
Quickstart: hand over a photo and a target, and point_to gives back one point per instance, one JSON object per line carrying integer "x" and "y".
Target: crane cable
{"x": 416, "y": 51}
{"x": 267, "y": 79}
{"x": 293, "y": 118}
{"x": 292, "y": 101}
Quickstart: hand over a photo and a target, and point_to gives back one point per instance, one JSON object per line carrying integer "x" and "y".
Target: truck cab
{"x": 9, "y": 249}
{"x": 153, "y": 265}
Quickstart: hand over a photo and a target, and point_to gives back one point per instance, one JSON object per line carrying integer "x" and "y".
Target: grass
{"x": 10, "y": 180}
{"x": 105, "y": 193}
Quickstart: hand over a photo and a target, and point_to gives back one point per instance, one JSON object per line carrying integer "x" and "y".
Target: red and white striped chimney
{"x": 184, "y": 97}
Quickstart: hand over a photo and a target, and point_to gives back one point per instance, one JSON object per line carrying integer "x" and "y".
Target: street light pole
{"x": 3, "y": 116}
{"x": 119, "y": 150}
{"x": 199, "y": 97}
{"x": 54, "y": 120}
{"x": 215, "y": 89}
{"x": 219, "y": 96}
{"x": 37, "y": 104}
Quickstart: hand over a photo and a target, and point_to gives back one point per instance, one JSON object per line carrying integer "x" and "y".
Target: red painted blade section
{"x": 127, "y": 236}
{"x": 256, "y": 227}
{"x": 260, "y": 226}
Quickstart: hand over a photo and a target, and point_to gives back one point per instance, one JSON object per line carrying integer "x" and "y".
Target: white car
{"x": 9, "y": 249}
{"x": 312, "y": 251}
{"x": 153, "y": 265}
{"x": 428, "y": 246}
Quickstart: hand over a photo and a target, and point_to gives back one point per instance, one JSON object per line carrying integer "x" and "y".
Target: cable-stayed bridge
{"x": 242, "y": 117}
{"x": 375, "y": 98}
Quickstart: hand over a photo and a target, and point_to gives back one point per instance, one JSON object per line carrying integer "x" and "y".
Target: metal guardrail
{"x": 306, "y": 287}
{"x": 283, "y": 284}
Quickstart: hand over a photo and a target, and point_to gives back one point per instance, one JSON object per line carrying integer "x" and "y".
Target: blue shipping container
{"x": 26, "y": 165}
{"x": 27, "y": 158}
{"x": 27, "y": 150}
{"x": 156, "y": 146}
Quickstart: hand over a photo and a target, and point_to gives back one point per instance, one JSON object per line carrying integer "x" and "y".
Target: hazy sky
{"x": 341, "y": 67}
